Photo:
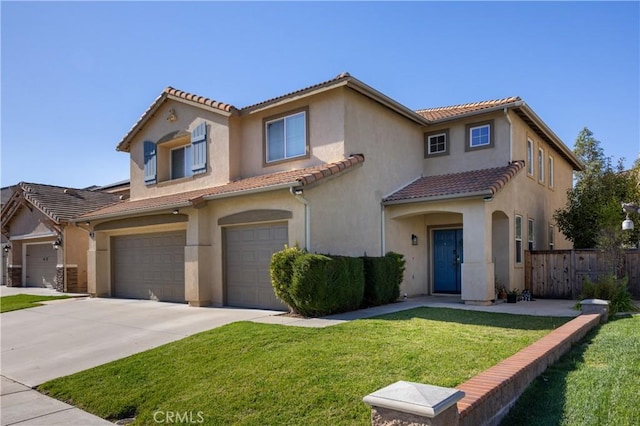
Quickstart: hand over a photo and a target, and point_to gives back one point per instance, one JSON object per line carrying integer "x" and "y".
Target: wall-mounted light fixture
{"x": 57, "y": 244}
{"x": 176, "y": 211}
{"x": 6, "y": 248}
{"x": 628, "y": 208}
{"x": 414, "y": 240}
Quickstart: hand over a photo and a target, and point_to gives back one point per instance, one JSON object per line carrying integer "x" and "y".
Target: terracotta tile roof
{"x": 487, "y": 181}
{"x": 439, "y": 113}
{"x": 339, "y": 77}
{"x": 299, "y": 177}
{"x": 62, "y": 204}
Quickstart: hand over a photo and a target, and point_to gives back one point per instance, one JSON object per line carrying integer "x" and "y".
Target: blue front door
{"x": 447, "y": 258}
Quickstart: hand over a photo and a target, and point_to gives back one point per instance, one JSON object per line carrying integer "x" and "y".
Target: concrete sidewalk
{"x": 540, "y": 307}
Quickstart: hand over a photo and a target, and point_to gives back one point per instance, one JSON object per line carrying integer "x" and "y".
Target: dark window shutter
{"x": 150, "y": 163}
{"x": 199, "y": 148}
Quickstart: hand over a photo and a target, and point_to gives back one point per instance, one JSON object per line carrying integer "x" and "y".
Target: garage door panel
{"x": 248, "y": 251}
{"x": 150, "y": 266}
{"x": 41, "y": 265}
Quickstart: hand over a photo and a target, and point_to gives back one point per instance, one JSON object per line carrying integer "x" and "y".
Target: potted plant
{"x": 502, "y": 293}
{"x": 512, "y": 296}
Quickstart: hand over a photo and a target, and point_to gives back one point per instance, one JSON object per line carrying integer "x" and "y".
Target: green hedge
{"x": 383, "y": 276}
{"x": 314, "y": 284}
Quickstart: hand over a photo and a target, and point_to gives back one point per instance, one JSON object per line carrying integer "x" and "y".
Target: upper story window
{"x": 531, "y": 235}
{"x": 286, "y": 136}
{"x": 176, "y": 155}
{"x": 541, "y": 165}
{"x": 180, "y": 162}
{"x": 436, "y": 143}
{"x": 550, "y": 167}
{"x": 479, "y": 135}
{"x": 530, "y": 157}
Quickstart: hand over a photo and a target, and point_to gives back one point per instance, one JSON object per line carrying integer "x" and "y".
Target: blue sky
{"x": 77, "y": 75}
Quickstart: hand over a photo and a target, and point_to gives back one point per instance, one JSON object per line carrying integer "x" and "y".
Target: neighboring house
{"x": 337, "y": 168}
{"x": 120, "y": 188}
{"x": 5, "y": 194}
{"x": 43, "y": 249}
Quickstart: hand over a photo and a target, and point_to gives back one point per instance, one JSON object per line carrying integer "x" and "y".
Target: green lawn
{"x": 260, "y": 374}
{"x": 23, "y": 301}
{"x": 597, "y": 383}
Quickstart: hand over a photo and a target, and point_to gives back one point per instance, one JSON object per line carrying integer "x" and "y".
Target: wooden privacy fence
{"x": 558, "y": 274}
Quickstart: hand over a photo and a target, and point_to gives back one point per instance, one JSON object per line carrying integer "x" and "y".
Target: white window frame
{"x": 284, "y": 118}
{"x": 518, "y": 239}
{"x": 530, "y": 167}
{"x": 540, "y": 165}
{"x": 437, "y": 135}
{"x": 531, "y": 239}
{"x": 552, "y": 237}
{"x": 487, "y": 143}
{"x": 187, "y": 161}
{"x": 551, "y": 177}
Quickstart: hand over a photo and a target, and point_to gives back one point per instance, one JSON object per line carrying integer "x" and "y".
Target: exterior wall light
{"x": 628, "y": 208}
{"x": 57, "y": 244}
{"x": 414, "y": 240}
{"x": 6, "y": 248}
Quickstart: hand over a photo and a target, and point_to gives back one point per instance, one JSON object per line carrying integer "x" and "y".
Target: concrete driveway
{"x": 67, "y": 336}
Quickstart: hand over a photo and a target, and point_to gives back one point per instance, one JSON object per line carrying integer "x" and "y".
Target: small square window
{"x": 436, "y": 143}
{"x": 479, "y": 135}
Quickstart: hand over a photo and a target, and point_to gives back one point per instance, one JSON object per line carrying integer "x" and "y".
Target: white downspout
{"x": 383, "y": 239}
{"x": 506, "y": 114}
{"x": 307, "y": 217}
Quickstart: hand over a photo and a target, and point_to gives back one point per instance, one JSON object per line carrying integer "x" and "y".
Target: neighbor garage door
{"x": 150, "y": 266}
{"x": 248, "y": 251}
{"x": 41, "y": 265}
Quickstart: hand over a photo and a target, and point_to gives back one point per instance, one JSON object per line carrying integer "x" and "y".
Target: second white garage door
{"x": 150, "y": 266}
{"x": 248, "y": 251}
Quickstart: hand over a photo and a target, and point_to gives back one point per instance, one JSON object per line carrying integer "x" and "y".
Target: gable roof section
{"x": 177, "y": 95}
{"x": 269, "y": 182}
{"x": 475, "y": 183}
{"x": 57, "y": 203}
{"x": 448, "y": 112}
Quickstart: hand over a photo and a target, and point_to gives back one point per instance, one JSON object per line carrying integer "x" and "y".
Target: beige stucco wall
{"x": 218, "y": 167}
{"x": 460, "y": 160}
{"x": 74, "y": 248}
{"x": 326, "y": 134}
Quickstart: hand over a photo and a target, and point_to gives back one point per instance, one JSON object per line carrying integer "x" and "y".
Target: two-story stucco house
{"x": 337, "y": 168}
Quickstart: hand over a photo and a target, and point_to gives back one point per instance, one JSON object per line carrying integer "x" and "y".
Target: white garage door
{"x": 248, "y": 251}
{"x": 41, "y": 265}
{"x": 150, "y": 266}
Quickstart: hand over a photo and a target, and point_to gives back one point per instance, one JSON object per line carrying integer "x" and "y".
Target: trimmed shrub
{"x": 609, "y": 288}
{"x": 323, "y": 285}
{"x": 383, "y": 276}
{"x": 281, "y": 271}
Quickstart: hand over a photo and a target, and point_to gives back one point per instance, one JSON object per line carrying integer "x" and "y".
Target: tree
{"x": 593, "y": 214}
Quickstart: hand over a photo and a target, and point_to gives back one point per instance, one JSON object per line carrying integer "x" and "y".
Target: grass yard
{"x": 261, "y": 374}
{"x": 597, "y": 383}
{"x": 23, "y": 301}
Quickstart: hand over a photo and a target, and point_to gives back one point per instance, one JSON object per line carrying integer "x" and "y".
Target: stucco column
{"x": 98, "y": 266}
{"x": 198, "y": 257}
{"x": 477, "y": 267}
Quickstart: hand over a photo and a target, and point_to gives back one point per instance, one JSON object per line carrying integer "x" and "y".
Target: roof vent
{"x": 123, "y": 197}
{"x": 70, "y": 191}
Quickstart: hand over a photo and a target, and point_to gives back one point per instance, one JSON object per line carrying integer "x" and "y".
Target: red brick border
{"x": 490, "y": 394}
